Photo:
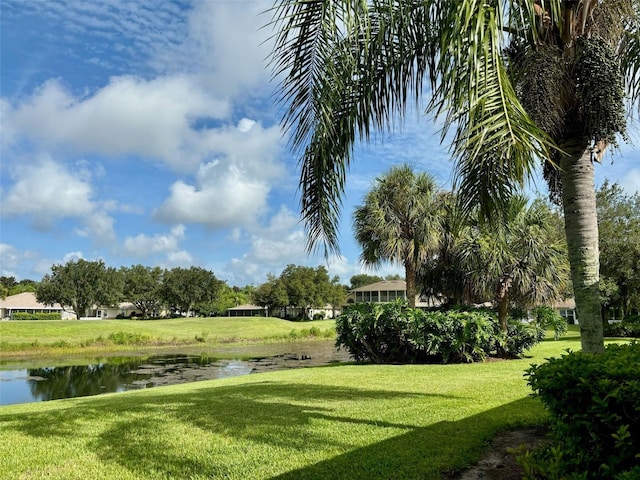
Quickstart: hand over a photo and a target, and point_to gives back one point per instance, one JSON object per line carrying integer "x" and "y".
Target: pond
{"x": 35, "y": 383}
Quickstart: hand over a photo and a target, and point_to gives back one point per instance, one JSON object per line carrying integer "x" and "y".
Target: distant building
{"x": 26, "y": 302}
{"x": 247, "y": 310}
{"x": 386, "y": 291}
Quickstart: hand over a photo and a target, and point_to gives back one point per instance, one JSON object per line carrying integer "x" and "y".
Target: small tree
{"x": 81, "y": 285}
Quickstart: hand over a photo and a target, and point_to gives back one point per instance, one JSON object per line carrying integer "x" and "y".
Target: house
{"x": 386, "y": 291}
{"x": 26, "y": 302}
{"x": 247, "y": 310}
{"x": 566, "y": 309}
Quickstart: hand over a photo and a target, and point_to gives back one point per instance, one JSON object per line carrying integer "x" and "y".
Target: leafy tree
{"x": 227, "y": 297}
{"x": 362, "y": 279}
{"x": 10, "y": 286}
{"x": 310, "y": 287}
{"x": 81, "y": 285}
{"x": 516, "y": 82}
{"x": 183, "y": 288}
{"x": 271, "y": 294}
{"x": 522, "y": 260}
{"x": 619, "y": 226}
{"x": 398, "y": 222}
{"x": 142, "y": 287}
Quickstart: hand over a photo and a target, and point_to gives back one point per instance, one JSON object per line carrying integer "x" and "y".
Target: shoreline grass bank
{"x": 349, "y": 421}
{"x": 64, "y": 337}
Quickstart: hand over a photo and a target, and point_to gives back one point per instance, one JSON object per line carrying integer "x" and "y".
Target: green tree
{"x": 183, "y": 288}
{"x": 271, "y": 294}
{"x": 362, "y": 279}
{"x": 521, "y": 261}
{"x": 142, "y": 287}
{"x": 619, "y": 226}
{"x": 228, "y": 297}
{"x": 81, "y": 285}
{"x": 516, "y": 82}
{"x": 398, "y": 222}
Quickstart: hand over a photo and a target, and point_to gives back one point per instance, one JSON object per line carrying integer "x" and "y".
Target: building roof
{"x": 566, "y": 304}
{"x": 384, "y": 285}
{"x": 26, "y": 300}
{"x": 247, "y": 306}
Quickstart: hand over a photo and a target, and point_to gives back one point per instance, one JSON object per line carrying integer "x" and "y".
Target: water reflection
{"x": 119, "y": 374}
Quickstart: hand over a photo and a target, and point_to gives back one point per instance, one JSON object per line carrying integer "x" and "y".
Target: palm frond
{"x": 347, "y": 66}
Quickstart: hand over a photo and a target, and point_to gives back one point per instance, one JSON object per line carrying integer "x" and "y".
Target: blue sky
{"x": 139, "y": 131}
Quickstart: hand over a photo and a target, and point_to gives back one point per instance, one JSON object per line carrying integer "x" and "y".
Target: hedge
{"x": 36, "y": 316}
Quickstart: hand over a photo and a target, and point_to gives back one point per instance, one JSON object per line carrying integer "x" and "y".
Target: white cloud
{"x": 152, "y": 119}
{"x": 144, "y": 246}
{"x": 225, "y": 45}
{"x": 631, "y": 181}
{"x": 232, "y": 190}
{"x": 47, "y": 191}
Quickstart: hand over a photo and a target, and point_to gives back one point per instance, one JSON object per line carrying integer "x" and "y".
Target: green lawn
{"x": 350, "y": 421}
{"x": 29, "y": 337}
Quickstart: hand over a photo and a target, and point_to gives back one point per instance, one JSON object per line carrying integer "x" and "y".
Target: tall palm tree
{"x": 520, "y": 259}
{"x": 518, "y": 82}
{"x": 398, "y": 222}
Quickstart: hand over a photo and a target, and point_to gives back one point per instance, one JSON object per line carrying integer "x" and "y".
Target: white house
{"x": 26, "y": 302}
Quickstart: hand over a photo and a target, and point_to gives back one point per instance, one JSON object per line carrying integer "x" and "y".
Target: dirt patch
{"x": 499, "y": 461}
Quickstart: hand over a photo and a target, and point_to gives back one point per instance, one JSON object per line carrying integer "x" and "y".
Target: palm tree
{"x": 398, "y": 222}
{"x": 518, "y": 82}
{"x": 520, "y": 259}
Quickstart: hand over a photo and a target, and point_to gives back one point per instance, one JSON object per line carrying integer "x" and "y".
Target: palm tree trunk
{"x": 502, "y": 298}
{"x": 410, "y": 279}
{"x": 581, "y": 229}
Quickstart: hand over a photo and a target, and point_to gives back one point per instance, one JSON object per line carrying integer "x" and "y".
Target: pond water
{"x": 119, "y": 374}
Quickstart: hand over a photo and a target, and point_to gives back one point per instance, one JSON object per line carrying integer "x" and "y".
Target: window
{"x": 569, "y": 314}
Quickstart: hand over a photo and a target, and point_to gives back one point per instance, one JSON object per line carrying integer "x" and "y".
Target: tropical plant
{"x": 398, "y": 222}
{"x": 518, "y": 260}
{"x": 516, "y": 81}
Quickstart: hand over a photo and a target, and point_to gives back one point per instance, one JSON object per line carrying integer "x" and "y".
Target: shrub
{"x": 319, "y": 315}
{"x": 395, "y": 333}
{"x": 128, "y": 338}
{"x": 622, "y": 329}
{"x": 594, "y": 401}
{"x": 36, "y": 316}
{"x": 547, "y": 317}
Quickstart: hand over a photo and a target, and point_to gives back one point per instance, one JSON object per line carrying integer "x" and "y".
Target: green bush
{"x": 594, "y": 401}
{"x": 547, "y": 317}
{"x": 128, "y": 338}
{"x": 630, "y": 329}
{"x": 394, "y": 333}
{"x": 36, "y": 316}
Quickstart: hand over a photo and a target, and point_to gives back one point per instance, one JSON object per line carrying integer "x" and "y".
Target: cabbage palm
{"x": 516, "y": 81}
{"x": 398, "y": 222}
{"x": 521, "y": 260}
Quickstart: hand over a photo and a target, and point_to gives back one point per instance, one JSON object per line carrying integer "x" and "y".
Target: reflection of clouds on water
{"x": 135, "y": 373}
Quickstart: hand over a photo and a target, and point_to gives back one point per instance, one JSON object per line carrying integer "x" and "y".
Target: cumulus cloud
{"x": 145, "y": 245}
{"x": 47, "y": 191}
{"x": 233, "y": 189}
{"x": 129, "y": 116}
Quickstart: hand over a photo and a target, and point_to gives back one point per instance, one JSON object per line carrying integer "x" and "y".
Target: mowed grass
{"x": 344, "y": 422}
{"x": 29, "y": 337}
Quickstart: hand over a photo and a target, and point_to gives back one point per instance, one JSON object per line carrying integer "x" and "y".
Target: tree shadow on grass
{"x": 143, "y": 433}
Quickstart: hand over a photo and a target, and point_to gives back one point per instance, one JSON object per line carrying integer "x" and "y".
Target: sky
{"x": 146, "y": 132}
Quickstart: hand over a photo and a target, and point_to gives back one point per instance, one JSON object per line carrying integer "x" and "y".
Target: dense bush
{"x": 395, "y": 333}
{"x": 547, "y": 317}
{"x": 629, "y": 327}
{"x": 594, "y": 401}
{"x": 36, "y": 316}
